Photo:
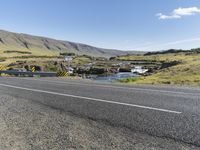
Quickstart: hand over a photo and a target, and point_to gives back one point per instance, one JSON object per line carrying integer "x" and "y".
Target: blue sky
{"x": 119, "y": 24}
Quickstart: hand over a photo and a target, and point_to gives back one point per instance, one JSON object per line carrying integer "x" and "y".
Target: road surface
{"x": 170, "y": 112}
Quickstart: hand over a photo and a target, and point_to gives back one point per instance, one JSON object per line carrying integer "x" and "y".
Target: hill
{"x": 37, "y": 46}
{"x": 187, "y": 72}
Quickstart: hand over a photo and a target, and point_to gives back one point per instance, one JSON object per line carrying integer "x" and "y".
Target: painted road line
{"x": 92, "y": 99}
{"x": 111, "y": 86}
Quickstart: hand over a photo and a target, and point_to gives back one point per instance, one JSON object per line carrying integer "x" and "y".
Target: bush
{"x": 67, "y": 54}
{"x": 129, "y": 80}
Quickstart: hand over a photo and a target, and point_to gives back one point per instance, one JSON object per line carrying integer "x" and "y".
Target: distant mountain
{"x": 17, "y": 41}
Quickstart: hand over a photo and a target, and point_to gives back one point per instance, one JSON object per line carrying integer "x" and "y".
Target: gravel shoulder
{"x": 27, "y": 125}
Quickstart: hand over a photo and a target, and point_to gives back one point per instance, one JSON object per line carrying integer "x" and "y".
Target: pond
{"x": 111, "y": 78}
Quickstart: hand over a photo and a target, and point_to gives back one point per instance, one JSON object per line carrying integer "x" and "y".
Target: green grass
{"x": 81, "y": 60}
{"x": 130, "y": 80}
{"x": 12, "y": 51}
{"x": 2, "y": 59}
{"x": 185, "y": 73}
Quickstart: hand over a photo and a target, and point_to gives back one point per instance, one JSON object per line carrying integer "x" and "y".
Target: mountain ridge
{"x": 10, "y": 40}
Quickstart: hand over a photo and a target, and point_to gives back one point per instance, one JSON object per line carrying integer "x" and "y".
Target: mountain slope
{"x": 10, "y": 41}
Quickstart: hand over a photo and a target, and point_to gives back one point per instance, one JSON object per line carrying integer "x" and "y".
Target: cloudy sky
{"x": 119, "y": 24}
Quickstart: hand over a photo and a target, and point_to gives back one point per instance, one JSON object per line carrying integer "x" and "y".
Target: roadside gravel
{"x": 27, "y": 125}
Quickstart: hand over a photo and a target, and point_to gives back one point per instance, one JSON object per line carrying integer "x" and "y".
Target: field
{"x": 185, "y": 73}
{"x": 17, "y": 58}
{"x": 12, "y": 54}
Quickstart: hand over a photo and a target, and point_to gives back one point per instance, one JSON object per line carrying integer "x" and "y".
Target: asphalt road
{"x": 170, "y": 112}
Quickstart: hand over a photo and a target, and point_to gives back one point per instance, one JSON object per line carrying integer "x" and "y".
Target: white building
{"x": 70, "y": 70}
{"x": 139, "y": 70}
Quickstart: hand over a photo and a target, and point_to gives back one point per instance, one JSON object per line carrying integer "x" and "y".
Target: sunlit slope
{"x": 14, "y": 51}
{"x": 185, "y": 73}
{"x": 47, "y": 46}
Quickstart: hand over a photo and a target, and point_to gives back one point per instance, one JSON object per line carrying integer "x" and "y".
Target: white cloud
{"x": 179, "y": 13}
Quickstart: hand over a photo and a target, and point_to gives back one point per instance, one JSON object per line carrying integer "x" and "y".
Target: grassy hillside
{"x": 185, "y": 73}
{"x": 12, "y": 51}
{"x": 10, "y": 41}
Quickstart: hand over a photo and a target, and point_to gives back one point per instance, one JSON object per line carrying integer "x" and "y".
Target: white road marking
{"x": 111, "y": 86}
{"x": 91, "y": 99}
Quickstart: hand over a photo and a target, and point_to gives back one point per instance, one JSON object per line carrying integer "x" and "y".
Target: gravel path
{"x": 26, "y": 125}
